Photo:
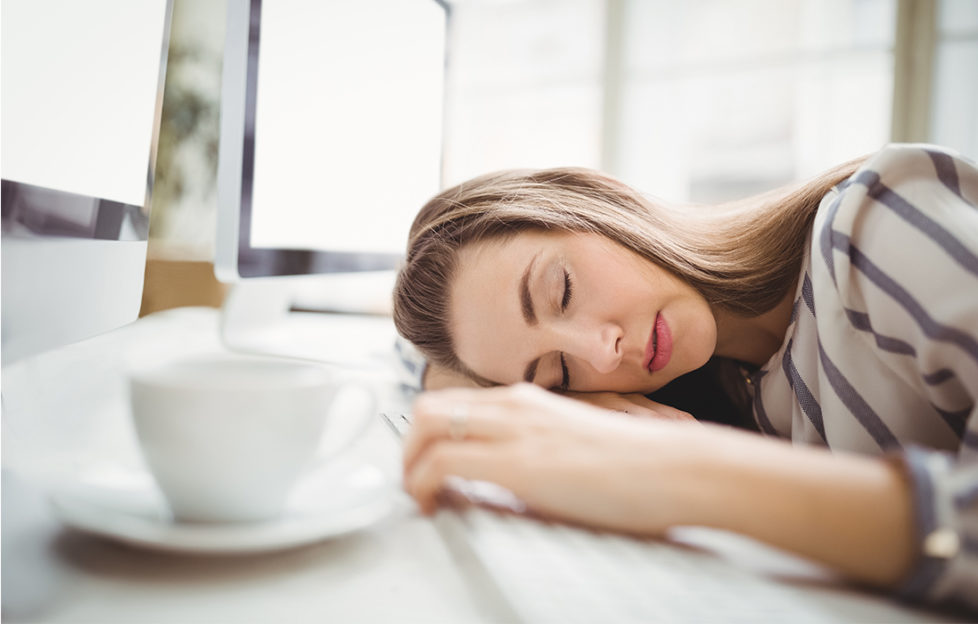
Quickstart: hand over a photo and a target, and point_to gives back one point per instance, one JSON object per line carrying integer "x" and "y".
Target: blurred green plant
{"x": 187, "y": 152}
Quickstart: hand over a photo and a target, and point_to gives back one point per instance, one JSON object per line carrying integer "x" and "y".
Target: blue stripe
{"x": 928, "y": 325}
{"x": 926, "y": 225}
{"x": 969, "y": 544}
{"x": 794, "y": 312}
{"x": 947, "y": 173}
{"x": 806, "y": 293}
{"x": 856, "y": 404}
{"x": 808, "y": 403}
{"x": 938, "y": 377}
{"x": 922, "y": 578}
{"x": 860, "y": 320}
{"x": 408, "y": 362}
{"x": 967, "y": 497}
{"x": 928, "y": 569}
{"x": 970, "y": 440}
{"x": 826, "y": 239}
{"x": 854, "y": 401}
{"x": 763, "y": 422}
{"x": 957, "y": 421}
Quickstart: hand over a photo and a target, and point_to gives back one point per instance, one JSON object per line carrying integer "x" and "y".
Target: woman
{"x": 846, "y": 310}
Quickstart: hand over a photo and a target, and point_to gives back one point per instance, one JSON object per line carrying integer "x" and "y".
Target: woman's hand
{"x": 562, "y": 457}
{"x": 584, "y": 464}
{"x": 634, "y": 404}
{"x": 579, "y": 463}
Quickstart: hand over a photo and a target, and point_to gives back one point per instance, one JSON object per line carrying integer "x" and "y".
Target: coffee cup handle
{"x": 365, "y": 419}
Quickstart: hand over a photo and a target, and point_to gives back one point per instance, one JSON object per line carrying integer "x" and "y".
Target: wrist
{"x": 683, "y": 484}
{"x": 706, "y": 488}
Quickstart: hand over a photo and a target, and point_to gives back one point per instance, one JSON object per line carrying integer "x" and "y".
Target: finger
{"x": 468, "y": 460}
{"x": 489, "y": 413}
{"x": 440, "y": 416}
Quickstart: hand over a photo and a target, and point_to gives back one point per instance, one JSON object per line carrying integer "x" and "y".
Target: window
{"x": 696, "y": 100}
{"x": 524, "y": 85}
{"x": 724, "y": 99}
{"x": 954, "y": 108}
{"x": 701, "y": 100}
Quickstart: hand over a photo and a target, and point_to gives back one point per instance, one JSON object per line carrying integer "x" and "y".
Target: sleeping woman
{"x": 623, "y": 355}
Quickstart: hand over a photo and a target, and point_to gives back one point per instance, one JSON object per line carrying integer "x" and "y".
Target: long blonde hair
{"x": 742, "y": 256}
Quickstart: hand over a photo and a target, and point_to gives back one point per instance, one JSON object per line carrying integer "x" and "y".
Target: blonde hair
{"x": 742, "y": 256}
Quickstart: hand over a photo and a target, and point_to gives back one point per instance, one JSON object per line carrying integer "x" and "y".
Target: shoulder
{"x": 900, "y": 162}
{"x": 904, "y": 180}
{"x": 927, "y": 174}
{"x": 908, "y": 211}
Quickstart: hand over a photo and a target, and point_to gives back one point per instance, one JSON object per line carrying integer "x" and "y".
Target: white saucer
{"x": 127, "y": 506}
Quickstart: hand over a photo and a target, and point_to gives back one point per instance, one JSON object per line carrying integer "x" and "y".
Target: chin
{"x": 673, "y": 376}
{"x": 658, "y": 384}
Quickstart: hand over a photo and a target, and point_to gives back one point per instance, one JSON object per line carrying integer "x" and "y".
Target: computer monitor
{"x": 331, "y": 133}
{"x": 81, "y": 101}
{"x": 330, "y": 141}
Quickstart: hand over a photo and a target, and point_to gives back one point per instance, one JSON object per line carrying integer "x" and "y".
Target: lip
{"x": 658, "y": 350}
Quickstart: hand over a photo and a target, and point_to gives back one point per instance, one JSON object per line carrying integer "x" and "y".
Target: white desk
{"x": 66, "y": 411}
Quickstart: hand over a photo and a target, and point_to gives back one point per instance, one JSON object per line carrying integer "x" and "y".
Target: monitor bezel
{"x": 235, "y": 256}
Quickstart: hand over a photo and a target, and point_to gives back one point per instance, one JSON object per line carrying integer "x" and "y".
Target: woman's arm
{"x": 851, "y": 512}
{"x": 577, "y": 463}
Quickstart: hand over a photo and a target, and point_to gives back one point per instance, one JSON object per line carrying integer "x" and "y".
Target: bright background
{"x": 701, "y": 100}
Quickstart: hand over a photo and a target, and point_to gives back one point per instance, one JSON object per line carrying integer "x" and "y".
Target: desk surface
{"x": 65, "y": 411}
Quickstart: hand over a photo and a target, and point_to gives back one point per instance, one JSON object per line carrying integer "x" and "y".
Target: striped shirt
{"x": 881, "y": 356}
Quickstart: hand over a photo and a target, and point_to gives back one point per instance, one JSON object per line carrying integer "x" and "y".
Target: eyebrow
{"x": 526, "y": 304}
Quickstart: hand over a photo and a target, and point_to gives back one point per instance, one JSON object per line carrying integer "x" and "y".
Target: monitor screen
{"x": 331, "y": 133}
{"x": 81, "y": 100}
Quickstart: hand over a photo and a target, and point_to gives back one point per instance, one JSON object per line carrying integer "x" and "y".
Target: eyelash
{"x": 565, "y": 377}
{"x": 568, "y": 289}
{"x": 564, "y": 302}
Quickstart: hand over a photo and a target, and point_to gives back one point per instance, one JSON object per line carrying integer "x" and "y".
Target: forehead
{"x": 485, "y": 318}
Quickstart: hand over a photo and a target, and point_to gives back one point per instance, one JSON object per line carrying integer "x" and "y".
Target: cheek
{"x": 703, "y": 336}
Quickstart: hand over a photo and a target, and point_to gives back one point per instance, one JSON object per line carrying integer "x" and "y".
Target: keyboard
{"x": 549, "y": 572}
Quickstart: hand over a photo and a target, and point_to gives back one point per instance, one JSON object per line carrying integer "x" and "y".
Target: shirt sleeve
{"x": 411, "y": 366}
{"x": 900, "y": 238}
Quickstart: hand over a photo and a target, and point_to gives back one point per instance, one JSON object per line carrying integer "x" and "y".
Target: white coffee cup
{"x": 227, "y": 436}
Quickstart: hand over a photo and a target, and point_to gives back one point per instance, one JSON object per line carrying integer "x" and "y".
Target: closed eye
{"x": 568, "y": 286}
{"x": 564, "y": 375}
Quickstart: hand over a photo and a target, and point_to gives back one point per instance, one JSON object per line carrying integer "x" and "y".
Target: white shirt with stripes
{"x": 881, "y": 356}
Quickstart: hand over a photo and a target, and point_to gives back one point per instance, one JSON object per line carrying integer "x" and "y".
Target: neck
{"x": 753, "y": 340}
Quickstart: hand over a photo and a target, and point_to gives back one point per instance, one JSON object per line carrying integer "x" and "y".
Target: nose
{"x": 600, "y": 346}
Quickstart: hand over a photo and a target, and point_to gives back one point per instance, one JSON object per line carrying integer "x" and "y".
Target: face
{"x": 575, "y": 312}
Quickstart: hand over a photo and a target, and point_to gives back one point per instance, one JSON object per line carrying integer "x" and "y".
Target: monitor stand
{"x": 60, "y": 290}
